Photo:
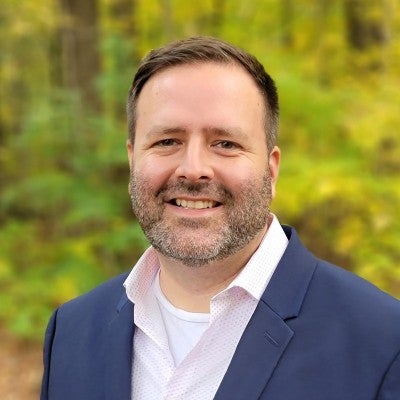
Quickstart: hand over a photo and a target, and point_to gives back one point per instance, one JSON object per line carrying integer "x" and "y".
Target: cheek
{"x": 241, "y": 175}
{"x": 152, "y": 171}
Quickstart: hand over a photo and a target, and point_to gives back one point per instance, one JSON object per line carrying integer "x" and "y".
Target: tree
{"x": 80, "y": 49}
{"x": 287, "y": 15}
{"x": 367, "y": 31}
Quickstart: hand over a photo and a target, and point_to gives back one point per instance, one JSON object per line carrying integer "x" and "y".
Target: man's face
{"x": 201, "y": 179}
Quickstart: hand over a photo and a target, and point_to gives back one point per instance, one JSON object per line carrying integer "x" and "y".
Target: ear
{"x": 274, "y": 162}
{"x": 129, "y": 148}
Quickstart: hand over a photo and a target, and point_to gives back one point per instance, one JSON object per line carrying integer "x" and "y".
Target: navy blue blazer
{"x": 318, "y": 333}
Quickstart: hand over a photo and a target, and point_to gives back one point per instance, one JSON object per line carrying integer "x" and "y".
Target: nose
{"x": 195, "y": 163}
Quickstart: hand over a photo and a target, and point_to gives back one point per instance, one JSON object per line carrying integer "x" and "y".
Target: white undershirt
{"x": 184, "y": 329}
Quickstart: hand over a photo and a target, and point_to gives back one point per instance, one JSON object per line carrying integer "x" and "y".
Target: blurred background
{"x": 65, "y": 69}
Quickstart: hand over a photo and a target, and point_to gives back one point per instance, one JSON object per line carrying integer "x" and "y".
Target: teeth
{"x": 198, "y": 204}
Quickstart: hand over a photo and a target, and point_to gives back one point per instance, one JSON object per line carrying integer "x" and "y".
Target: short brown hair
{"x": 201, "y": 50}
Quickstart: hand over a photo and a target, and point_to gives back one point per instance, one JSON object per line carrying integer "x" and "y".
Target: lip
{"x": 185, "y": 212}
{"x": 187, "y": 197}
{"x": 192, "y": 211}
{"x": 181, "y": 201}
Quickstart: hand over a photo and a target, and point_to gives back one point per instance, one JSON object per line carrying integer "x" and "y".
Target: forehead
{"x": 195, "y": 83}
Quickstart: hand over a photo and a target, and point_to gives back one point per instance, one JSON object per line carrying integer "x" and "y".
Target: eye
{"x": 227, "y": 145}
{"x": 166, "y": 143}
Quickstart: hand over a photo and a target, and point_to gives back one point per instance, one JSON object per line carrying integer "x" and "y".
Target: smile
{"x": 195, "y": 204}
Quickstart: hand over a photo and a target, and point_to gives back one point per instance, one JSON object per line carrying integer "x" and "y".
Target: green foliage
{"x": 65, "y": 217}
{"x": 66, "y": 220}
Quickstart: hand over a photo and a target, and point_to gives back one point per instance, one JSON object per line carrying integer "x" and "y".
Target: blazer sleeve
{"x": 390, "y": 388}
{"x": 48, "y": 344}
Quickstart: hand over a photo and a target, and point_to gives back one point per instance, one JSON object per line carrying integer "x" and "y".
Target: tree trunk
{"x": 325, "y": 51}
{"x": 80, "y": 56}
{"x": 169, "y": 30}
{"x": 217, "y": 15}
{"x": 287, "y": 15}
{"x": 367, "y": 31}
{"x": 122, "y": 12}
{"x": 124, "y": 56}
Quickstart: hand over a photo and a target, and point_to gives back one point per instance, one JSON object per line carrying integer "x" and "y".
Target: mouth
{"x": 194, "y": 204}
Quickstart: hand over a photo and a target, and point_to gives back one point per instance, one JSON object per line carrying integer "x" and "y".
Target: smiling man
{"x": 226, "y": 303}
{"x": 201, "y": 174}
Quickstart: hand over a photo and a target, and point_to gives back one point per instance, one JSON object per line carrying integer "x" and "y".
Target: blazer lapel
{"x": 267, "y": 335}
{"x": 259, "y": 350}
{"x": 118, "y": 352}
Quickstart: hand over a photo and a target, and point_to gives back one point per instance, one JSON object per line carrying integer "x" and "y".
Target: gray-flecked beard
{"x": 246, "y": 214}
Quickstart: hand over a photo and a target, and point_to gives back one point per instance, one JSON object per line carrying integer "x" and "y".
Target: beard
{"x": 198, "y": 242}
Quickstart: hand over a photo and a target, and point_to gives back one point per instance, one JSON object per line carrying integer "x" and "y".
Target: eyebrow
{"x": 233, "y": 132}
{"x": 164, "y": 130}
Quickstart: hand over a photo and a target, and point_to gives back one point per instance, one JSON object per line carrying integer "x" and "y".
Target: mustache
{"x": 207, "y": 189}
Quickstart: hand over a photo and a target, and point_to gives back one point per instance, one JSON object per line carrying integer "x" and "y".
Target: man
{"x": 226, "y": 304}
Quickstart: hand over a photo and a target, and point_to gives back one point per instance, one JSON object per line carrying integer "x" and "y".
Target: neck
{"x": 192, "y": 288}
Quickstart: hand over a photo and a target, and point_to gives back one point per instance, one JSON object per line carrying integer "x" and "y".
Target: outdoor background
{"x": 65, "y": 69}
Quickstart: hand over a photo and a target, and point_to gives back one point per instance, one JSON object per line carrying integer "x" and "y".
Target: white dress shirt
{"x": 179, "y": 355}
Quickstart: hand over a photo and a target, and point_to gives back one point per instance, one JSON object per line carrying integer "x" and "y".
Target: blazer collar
{"x": 288, "y": 286}
{"x": 118, "y": 352}
{"x": 267, "y": 335}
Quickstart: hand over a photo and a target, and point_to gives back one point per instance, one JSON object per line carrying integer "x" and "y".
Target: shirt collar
{"x": 254, "y": 277}
{"x": 141, "y": 277}
{"x": 257, "y": 273}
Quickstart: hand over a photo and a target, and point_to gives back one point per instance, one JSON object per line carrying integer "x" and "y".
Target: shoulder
{"x": 101, "y": 301}
{"x": 332, "y": 293}
{"x": 352, "y": 304}
{"x": 334, "y": 285}
{"x": 108, "y": 290}
{"x": 348, "y": 289}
